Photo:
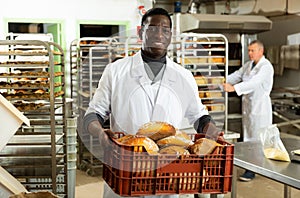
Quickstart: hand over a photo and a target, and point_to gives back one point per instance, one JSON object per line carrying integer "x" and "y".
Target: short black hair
{"x": 156, "y": 11}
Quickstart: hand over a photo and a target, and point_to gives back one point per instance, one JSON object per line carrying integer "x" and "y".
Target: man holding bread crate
{"x": 147, "y": 87}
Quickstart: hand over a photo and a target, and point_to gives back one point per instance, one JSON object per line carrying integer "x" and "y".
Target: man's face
{"x": 255, "y": 52}
{"x": 156, "y": 36}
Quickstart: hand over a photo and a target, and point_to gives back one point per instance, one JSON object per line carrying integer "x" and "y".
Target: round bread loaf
{"x": 203, "y": 146}
{"x": 139, "y": 140}
{"x": 177, "y": 150}
{"x": 179, "y": 139}
{"x": 156, "y": 130}
{"x": 125, "y": 138}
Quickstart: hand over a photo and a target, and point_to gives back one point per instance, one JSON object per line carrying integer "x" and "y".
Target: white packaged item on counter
{"x": 273, "y": 147}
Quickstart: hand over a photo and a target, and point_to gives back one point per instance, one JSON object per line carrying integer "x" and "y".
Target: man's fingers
{"x": 221, "y": 136}
{"x": 110, "y": 133}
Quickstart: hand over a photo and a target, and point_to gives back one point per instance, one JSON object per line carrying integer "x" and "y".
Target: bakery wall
{"x": 68, "y": 12}
{"x": 283, "y": 13}
{"x": 281, "y": 28}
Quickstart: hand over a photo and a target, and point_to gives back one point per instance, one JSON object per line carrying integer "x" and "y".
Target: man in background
{"x": 254, "y": 82}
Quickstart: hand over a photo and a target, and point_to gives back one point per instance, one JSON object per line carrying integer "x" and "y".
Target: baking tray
{"x": 295, "y": 157}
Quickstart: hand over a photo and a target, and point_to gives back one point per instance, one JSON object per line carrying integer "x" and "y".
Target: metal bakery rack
{"x": 73, "y": 76}
{"x": 87, "y": 63}
{"x": 206, "y": 56}
{"x": 32, "y": 78}
{"x": 92, "y": 55}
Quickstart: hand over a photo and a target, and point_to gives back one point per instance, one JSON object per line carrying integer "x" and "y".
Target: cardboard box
{"x": 9, "y": 185}
{"x": 40, "y": 194}
{"x": 10, "y": 120}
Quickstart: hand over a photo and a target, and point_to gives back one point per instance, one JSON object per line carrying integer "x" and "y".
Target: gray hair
{"x": 259, "y": 43}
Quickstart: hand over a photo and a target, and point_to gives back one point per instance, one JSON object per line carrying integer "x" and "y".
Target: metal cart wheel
{"x": 91, "y": 172}
{"x": 83, "y": 167}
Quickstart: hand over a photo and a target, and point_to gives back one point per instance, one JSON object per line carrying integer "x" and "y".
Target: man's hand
{"x": 104, "y": 140}
{"x": 221, "y": 136}
{"x": 103, "y": 135}
{"x": 109, "y": 133}
{"x": 212, "y": 132}
{"x": 228, "y": 87}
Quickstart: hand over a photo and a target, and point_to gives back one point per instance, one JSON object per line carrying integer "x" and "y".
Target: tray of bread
{"x": 30, "y": 94}
{"x": 29, "y": 52}
{"x": 25, "y": 106}
{"x": 16, "y": 62}
{"x": 36, "y": 84}
{"x": 29, "y": 74}
{"x": 160, "y": 159}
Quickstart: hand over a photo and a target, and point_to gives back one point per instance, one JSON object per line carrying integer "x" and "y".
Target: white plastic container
{"x": 10, "y": 120}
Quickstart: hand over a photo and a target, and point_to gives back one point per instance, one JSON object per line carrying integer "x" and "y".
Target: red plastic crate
{"x": 131, "y": 171}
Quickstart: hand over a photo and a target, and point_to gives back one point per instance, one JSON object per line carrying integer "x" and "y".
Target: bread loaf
{"x": 200, "y": 80}
{"x": 203, "y": 146}
{"x": 156, "y": 130}
{"x": 176, "y": 150}
{"x": 125, "y": 138}
{"x": 201, "y": 94}
{"x": 138, "y": 140}
{"x": 213, "y": 94}
{"x": 179, "y": 139}
{"x": 217, "y": 80}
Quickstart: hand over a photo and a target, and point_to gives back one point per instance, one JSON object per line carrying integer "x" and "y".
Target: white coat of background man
{"x": 254, "y": 81}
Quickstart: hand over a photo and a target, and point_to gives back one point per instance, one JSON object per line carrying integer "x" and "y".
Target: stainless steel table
{"x": 249, "y": 155}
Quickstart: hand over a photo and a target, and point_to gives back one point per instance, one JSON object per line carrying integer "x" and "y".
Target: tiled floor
{"x": 87, "y": 186}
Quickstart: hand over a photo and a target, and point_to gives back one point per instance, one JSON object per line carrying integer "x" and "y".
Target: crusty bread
{"x": 213, "y": 94}
{"x": 41, "y": 91}
{"x": 177, "y": 150}
{"x": 203, "y": 146}
{"x": 200, "y": 80}
{"x": 156, "y": 130}
{"x": 124, "y": 138}
{"x": 179, "y": 139}
{"x": 139, "y": 140}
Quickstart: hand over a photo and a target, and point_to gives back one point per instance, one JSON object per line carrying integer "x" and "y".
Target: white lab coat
{"x": 255, "y": 87}
{"x": 127, "y": 94}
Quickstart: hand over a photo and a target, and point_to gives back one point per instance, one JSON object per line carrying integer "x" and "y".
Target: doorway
{"x": 101, "y": 28}
{"x": 53, "y": 29}
{"x": 94, "y": 30}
